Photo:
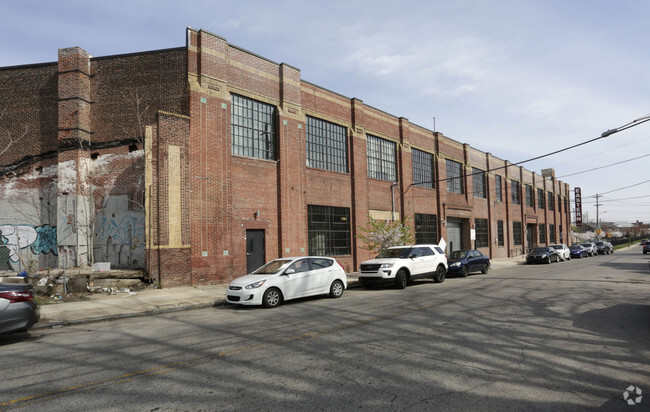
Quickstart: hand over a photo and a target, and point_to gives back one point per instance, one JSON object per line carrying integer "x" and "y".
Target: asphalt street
{"x": 566, "y": 336}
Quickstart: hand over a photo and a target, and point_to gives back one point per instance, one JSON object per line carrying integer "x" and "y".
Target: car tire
{"x": 464, "y": 271}
{"x": 440, "y": 274}
{"x": 485, "y": 268}
{"x": 272, "y": 298}
{"x": 336, "y": 289}
{"x": 400, "y": 279}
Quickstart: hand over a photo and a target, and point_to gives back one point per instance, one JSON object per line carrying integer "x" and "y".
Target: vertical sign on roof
{"x": 578, "y": 197}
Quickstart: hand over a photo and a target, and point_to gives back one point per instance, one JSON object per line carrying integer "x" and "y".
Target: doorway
{"x": 531, "y": 236}
{"x": 255, "y": 251}
{"x": 455, "y": 234}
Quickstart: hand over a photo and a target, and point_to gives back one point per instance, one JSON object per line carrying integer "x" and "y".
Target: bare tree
{"x": 11, "y": 139}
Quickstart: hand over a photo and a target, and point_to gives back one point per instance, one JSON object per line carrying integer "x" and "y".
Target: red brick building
{"x": 199, "y": 162}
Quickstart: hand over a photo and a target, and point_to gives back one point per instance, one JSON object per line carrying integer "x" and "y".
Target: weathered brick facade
{"x": 146, "y": 137}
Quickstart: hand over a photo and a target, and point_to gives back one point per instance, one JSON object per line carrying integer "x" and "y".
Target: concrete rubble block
{"x": 77, "y": 285}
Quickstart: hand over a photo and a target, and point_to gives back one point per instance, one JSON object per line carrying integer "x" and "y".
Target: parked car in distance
{"x": 401, "y": 264}
{"x": 563, "y": 251}
{"x": 591, "y": 247}
{"x": 578, "y": 251}
{"x": 542, "y": 255}
{"x": 18, "y": 309}
{"x": 646, "y": 247}
{"x": 464, "y": 262}
{"x": 609, "y": 245}
{"x": 288, "y": 278}
{"x": 602, "y": 248}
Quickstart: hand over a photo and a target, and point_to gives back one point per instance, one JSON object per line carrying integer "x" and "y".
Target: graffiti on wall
{"x": 119, "y": 234}
{"x": 41, "y": 239}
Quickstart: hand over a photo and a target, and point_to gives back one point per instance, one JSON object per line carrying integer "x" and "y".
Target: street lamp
{"x": 633, "y": 123}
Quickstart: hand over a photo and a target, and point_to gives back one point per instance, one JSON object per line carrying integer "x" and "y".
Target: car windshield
{"x": 272, "y": 267}
{"x": 458, "y": 254}
{"x": 600, "y": 244}
{"x": 557, "y": 246}
{"x": 541, "y": 250}
{"x": 402, "y": 253}
{"x": 586, "y": 244}
{"x": 575, "y": 247}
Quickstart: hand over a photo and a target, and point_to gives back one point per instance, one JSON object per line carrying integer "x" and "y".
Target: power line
{"x": 603, "y": 167}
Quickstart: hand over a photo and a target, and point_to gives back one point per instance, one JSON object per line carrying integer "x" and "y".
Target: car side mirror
{"x": 289, "y": 271}
{"x": 413, "y": 256}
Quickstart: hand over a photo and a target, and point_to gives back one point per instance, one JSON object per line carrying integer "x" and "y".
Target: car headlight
{"x": 255, "y": 285}
{"x": 387, "y": 265}
{"x": 455, "y": 264}
{"x": 544, "y": 255}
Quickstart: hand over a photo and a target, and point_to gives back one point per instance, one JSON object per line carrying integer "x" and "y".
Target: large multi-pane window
{"x": 498, "y": 186}
{"x": 481, "y": 226}
{"x": 529, "y": 196}
{"x": 542, "y": 233}
{"x": 327, "y": 146}
{"x": 478, "y": 178}
{"x": 423, "y": 175}
{"x": 551, "y": 233}
{"x": 454, "y": 177}
{"x": 426, "y": 229}
{"x": 253, "y": 128}
{"x": 382, "y": 158}
{"x": 540, "y": 198}
{"x": 551, "y": 201}
{"x": 516, "y": 233}
{"x": 515, "y": 191}
{"x": 328, "y": 230}
{"x": 500, "y": 237}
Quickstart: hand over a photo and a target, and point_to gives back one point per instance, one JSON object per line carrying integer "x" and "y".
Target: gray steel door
{"x": 455, "y": 234}
{"x": 255, "y": 256}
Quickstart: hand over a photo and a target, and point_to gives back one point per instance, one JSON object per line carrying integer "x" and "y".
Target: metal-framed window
{"x": 481, "y": 227}
{"x": 498, "y": 188}
{"x": 327, "y": 145}
{"x": 542, "y": 233}
{"x": 426, "y": 229}
{"x": 478, "y": 178}
{"x": 529, "y": 196}
{"x": 515, "y": 192}
{"x": 516, "y": 233}
{"x": 454, "y": 177}
{"x": 551, "y": 233}
{"x": 541, "y": 199}
{"x": 551, "y": 201}
{"x": 328, "y": 230}
{"x": 423, "y": 170}
{"x": 253, "y": 128}
{"x": 382, "y": 158}
{"x": 500, "y": 236}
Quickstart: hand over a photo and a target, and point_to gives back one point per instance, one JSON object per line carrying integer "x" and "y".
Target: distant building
{"x": 199, "y": 163}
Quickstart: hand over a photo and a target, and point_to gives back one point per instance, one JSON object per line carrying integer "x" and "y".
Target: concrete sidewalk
{"x": 100, "y": 307}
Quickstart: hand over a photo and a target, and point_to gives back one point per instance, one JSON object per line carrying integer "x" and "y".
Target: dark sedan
{"x": 465, "y": 261}
{"x": 578, "y": 251}
{"x": 543, "y": 255}
{"x": 18, "y": 309}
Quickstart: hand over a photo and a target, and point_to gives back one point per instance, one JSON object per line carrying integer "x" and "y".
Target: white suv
{"x": 402, "y": 264}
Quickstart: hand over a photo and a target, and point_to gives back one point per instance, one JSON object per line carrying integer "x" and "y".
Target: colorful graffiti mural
{"x": 41, "y": 239}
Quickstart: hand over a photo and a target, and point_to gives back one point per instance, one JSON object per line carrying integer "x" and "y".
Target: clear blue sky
{"x": 514, "y": 78}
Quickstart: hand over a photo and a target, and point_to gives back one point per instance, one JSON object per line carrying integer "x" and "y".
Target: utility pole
{"x": 597, "y": 219}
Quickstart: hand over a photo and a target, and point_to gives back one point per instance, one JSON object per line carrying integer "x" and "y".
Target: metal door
{"x": 455, "y": 234}
{"x": 255, "y": 255}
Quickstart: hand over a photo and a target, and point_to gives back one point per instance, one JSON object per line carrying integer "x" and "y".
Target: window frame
{"x": 517, "y": 229}
{"x": 455, "y": 176}
{"x": 541, "y": 199}
{"x": 336, "y": 235}
{"x": 478, "y": 181}
{"x": 246, "y": 136}
{"x": 515, "y": 192}
{"x": 500, "y": 234}
{"x": 327, "y": 145}
{"x": 498, "y": 188}
{"x": 426, "y": 228}
{"x": 380, "y": 164}
{"x": 423, "y": 176}
{"x": 482, "y": 233}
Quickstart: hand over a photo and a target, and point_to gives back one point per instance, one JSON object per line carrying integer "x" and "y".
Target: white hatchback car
{"x": 288, "y": 278}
